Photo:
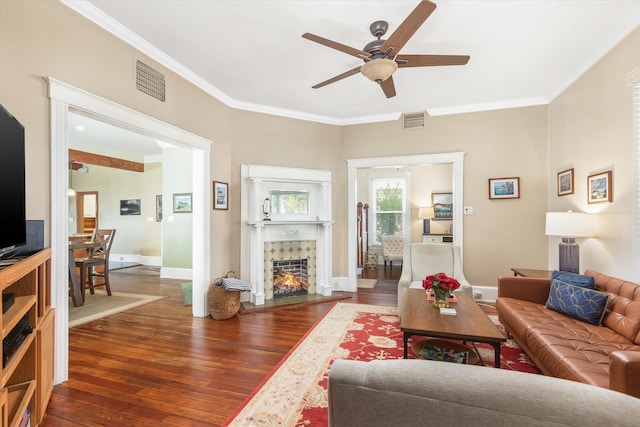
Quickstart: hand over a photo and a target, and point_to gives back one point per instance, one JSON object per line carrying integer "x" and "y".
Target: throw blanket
{"x": 237, "y": 285}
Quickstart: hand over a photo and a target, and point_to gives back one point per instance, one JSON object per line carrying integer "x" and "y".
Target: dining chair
{"x": 392, "y": 249}
{"x": 96, "y": 264}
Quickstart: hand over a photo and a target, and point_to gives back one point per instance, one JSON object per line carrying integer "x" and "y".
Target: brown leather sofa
{"x": 606, "y": 356}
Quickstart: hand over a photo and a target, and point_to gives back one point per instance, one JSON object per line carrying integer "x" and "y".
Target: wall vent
{"x": 150, "y": 81}
{"x": 413, "y": 120}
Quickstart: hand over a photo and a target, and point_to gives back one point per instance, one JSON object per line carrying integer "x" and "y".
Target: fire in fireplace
{"x": 290, "y": 278}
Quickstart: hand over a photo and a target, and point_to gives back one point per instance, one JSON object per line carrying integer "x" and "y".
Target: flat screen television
{"x": 13, "y": 229}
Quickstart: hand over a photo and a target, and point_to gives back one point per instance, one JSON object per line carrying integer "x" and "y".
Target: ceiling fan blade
{"x": 388, "y": 87}
{"x": 338, "y": 77}
{"x": 430, "y": 60}
{"x": 338, "y": 46}
{"x": 410, "y": 25}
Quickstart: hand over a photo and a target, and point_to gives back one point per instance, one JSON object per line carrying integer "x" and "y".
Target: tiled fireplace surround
{"x": 288, "y": 251}
{"x": 285, "y": 238}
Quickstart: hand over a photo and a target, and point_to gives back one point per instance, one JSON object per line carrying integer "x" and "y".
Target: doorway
{"x": 457, "y": 161}
{"x": 86, "y": 211}
{"x": 64, "y": 97}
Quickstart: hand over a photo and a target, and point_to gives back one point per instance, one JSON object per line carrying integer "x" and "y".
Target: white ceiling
{"x": 95, "y": 136}
{"x": 250, "y": 54}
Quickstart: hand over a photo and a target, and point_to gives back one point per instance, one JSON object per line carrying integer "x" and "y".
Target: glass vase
{"x": 440, "y": 300}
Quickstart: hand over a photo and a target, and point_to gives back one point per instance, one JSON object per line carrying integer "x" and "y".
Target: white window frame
{"x": 404, "y": 178}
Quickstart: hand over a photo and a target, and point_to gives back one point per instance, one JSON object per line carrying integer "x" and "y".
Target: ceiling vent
{"x": 413, "y": 120}
{"x": 150, "y": 81}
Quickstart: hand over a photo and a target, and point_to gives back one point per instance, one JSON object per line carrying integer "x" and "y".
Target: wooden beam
{"x": 99, "y": 160}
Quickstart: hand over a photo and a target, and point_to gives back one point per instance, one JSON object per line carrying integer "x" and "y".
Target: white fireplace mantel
{"x": 301, "y": 222}
{"x": 315, "y": 226}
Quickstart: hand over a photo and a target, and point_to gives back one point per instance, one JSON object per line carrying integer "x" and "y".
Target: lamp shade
{"x": 569, "y": 224}
{"x": 425, "y": 212}
{"x": 379, "y": 70}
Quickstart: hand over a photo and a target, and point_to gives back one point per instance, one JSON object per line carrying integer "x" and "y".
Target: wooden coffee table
{"x": 420, "y": 317}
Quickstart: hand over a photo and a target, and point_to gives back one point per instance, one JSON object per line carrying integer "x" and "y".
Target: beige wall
{"x": 590, "y": 130}
{"x": 44, "y": 38}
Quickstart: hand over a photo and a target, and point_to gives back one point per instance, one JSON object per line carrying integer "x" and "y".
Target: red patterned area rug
{"x": 295, "y": 393}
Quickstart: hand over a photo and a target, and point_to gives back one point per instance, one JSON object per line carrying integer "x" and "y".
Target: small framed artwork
{"x": 159, "y": 208}
{"x": 442, "y": 206}
{"x": 130, "y": 207}
{"x": 599, "y": 188}
{"x": 504, "y": 188}
{"x": 182, "y": 203}
{"x": 565, "y": 182}
{"x": 220, "y": 195}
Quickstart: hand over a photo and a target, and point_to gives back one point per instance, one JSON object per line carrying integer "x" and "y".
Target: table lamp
{"x": 426, "y": 213}
{"x": 569, "y": 225}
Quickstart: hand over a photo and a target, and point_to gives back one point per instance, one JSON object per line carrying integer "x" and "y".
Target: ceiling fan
{"x": 381, "y": 58}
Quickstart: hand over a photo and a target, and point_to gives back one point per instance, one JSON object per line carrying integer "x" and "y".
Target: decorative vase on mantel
{"x": 440, "y": 300}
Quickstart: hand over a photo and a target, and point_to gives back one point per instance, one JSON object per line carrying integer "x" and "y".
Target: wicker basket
{"x": 223, "y": 304}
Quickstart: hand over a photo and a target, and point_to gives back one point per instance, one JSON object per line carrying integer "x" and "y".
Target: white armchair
{"x": 423, "y": 259}
{"x": 392, "y": 249}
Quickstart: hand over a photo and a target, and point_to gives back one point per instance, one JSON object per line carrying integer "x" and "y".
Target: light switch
{"x": 468, "y": 210}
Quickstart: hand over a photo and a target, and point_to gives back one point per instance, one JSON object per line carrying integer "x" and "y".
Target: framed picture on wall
{"x": 565, "y": 182}
{"x": 130, "y": 207}
{"x": 182, "y": 203}
{"x": 442, "y": 206}
{"x": 599, "y": 188}
{"x": 504, "y": 188}
{"x": 220, "y": 195}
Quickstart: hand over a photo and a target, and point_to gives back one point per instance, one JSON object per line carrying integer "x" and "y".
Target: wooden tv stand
{"x": 26, "y": 381}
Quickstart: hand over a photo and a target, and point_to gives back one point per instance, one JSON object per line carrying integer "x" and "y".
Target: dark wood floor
{"x": 156, "y": 365}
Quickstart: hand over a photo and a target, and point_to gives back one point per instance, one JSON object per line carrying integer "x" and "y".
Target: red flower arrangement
{"x": 440, "y": 282}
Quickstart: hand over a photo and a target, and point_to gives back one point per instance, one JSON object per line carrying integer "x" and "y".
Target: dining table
{"x": 75, "y": 287}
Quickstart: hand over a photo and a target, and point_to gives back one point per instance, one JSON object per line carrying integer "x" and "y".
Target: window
{"x": 388, "y": 200}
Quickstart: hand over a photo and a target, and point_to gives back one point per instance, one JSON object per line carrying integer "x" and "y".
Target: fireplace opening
{"x": 290, "y": 278}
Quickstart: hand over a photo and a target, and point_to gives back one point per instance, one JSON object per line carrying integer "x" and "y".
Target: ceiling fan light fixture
{"x": 379, "y": 70}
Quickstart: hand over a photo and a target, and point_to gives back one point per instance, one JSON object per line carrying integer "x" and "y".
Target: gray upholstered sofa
{"x": 420, "y": 392}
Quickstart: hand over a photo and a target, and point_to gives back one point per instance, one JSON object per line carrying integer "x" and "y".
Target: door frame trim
{"x": 455, "y": 158}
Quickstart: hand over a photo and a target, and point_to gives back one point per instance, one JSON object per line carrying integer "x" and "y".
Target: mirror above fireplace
{"x": 289, "y": 202}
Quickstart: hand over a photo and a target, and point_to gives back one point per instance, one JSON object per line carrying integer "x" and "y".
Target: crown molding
{"x": 104, "y": 21}
{"x": 596, "y": 55}
{"x": 498, "y": 105}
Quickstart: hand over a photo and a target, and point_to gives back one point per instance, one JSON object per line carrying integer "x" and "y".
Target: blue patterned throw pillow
{"x": 580, "y": 303}
{"x": 582, "y": 280}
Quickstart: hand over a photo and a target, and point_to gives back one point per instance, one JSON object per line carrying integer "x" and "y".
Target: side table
{"x": 528, "y": 272}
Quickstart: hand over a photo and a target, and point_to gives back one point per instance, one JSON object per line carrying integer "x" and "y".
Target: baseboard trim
{"x": 341, "y": 284}
{"x": 145, "y": 260}
{"x": 489, "y": 293}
